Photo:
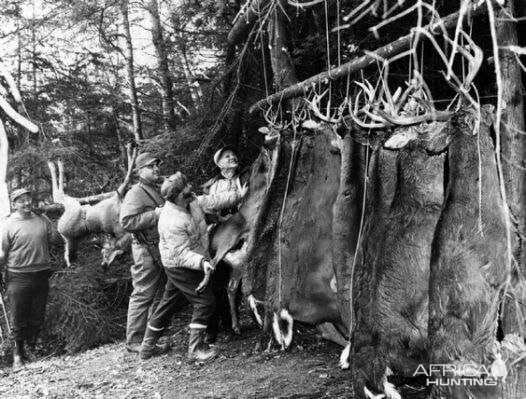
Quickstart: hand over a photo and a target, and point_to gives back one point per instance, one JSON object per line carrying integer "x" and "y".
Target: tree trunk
{"x": 246, "y": 21}
{"x": 282, "y": 66}
{"x": 122, "y": 147}
{"x": 181, "y": 61}
{"x": 5, "y": 203}
{"x": 90, "y": 139}
{"x": 136, "y": 116}
{"x": 34, "y": 54}
{"x": 18, "y": 50}
{"x": 169, "y": 121}
{"x": 513, "y": 150}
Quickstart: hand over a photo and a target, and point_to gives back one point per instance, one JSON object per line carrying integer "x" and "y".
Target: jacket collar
{"x": 147, "y": 183}
{"x": 172, "y": 206}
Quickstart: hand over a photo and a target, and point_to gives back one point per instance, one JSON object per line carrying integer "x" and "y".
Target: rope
{"x": 282, "y": 212}
{"x": 360, "y": 232}
{"x": 498, "y": 117}
{"x": 477, "y": 129}
{"x": 263, "y": 56}
{"x": 338, "y": 27}
{"x": 327, "y": 38}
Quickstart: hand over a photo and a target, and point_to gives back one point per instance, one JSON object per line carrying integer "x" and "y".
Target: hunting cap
{"x": 173, "y": 185}
{"x": 19, "y": 192}
{"x": 220, "y": 152}
{"x": 145, "y": 159}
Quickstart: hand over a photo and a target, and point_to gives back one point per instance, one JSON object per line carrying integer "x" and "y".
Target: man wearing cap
{"x": 183, "y": 247}
{"x": 25, "y": 238}
{"x": 139, "y": 215}
{"x": 228, "y": 181}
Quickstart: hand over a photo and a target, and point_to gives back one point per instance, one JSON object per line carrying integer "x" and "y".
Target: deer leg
{"x": 54, "y": 186}
{"x": 60, "y": 177}
{"x": 69, "y": 250}
{"x": 233, "y": 285}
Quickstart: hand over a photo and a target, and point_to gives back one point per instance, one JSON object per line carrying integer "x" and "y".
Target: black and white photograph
{"x": 262, "y": 199}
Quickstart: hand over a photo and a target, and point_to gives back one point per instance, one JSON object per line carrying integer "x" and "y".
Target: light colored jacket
{"x": 183, "y": 235}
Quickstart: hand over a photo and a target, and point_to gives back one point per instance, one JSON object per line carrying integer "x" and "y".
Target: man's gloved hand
{"x": 158, "y": 211}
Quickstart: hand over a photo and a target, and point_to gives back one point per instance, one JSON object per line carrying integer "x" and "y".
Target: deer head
{"x": 113, "y": 247}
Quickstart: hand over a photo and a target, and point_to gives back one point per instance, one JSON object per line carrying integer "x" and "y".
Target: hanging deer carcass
{"x": 470, "y": 264}
{"x": 80, "y": 220}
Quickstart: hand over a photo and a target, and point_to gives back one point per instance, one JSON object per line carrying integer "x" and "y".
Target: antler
{"x": 399, "y": 109}
{"x": 471, "y": 52}
{"x": 314, "y": 105}
{"x": 131, "y": 151}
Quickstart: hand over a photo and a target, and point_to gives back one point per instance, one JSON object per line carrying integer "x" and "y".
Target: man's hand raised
{"x": 243, "y": 190}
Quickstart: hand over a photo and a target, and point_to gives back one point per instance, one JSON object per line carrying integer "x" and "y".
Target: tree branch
{"x": 245, "y": 21}
{"x": 359, "y": 63}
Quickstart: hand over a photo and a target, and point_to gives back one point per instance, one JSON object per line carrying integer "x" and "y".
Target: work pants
{"x": 219, "y": 284}
{"x": 180, "y": 288}
{"x": 147, "y": 280}
{"x": 27, "y": 294}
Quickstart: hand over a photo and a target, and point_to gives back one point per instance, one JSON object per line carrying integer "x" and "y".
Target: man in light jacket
{"x": 183, "y": 245}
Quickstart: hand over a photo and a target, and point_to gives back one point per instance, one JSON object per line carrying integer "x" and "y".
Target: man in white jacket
{"x": 183, "y": 245}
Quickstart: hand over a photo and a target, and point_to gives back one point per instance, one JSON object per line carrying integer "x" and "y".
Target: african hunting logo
{"x": 468, "y": 374}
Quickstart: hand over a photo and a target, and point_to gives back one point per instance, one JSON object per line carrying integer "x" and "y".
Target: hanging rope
{"x": 327, "y": 37}
{"x": 358, "y": 241}
{"x": 263, "y": 60}
{"x": 282, "y": 212}
{"x": 338, "y": 31}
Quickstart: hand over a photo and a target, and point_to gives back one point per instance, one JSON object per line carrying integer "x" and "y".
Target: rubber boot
{"x": 18, "y": 355}
{"x": 149, "y": 347}
{"x": 197, "y": 349}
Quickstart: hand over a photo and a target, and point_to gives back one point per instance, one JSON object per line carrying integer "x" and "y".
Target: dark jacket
{"x": 25, "y": 242}
{"x": 137, "y": 213}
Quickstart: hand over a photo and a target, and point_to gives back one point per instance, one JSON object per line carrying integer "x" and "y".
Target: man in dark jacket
{"x": 139, "y": 215}
{"x": 25, "y": 239}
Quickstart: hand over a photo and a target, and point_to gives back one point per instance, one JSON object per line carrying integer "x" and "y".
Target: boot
{"x": 30, "y": 348}
{"x": 210, "y": 336}
{"x": 18, "y": 355}
{"x": 149, "y": 347}
{"x": 197, "y": 349}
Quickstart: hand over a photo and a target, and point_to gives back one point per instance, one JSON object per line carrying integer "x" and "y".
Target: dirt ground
{"x": 308, "y": 370}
